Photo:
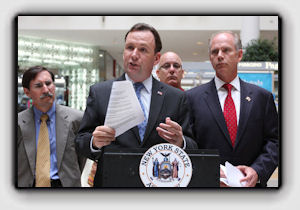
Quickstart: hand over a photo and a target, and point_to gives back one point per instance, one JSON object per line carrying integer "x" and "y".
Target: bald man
{"x": 170, "y": 70}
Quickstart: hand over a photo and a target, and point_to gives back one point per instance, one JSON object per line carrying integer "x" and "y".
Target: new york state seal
{"x": 165, "y": 165}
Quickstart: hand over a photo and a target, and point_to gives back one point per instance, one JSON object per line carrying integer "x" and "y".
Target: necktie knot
{"x": 138, "y": 86}
{"x": 44, "y": 117}
{"x": 227, "y": 87}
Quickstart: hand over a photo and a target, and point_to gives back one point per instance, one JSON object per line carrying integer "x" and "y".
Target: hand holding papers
{"x": 124, "y": 110}
{"x": 233, "y": 175}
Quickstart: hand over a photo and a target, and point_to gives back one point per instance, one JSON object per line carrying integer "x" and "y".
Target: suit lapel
{"x": 157, "y": 98}
{"x": 246, "y": 106}
{"x": 28, "y": 132}
{"x": 62, "y": 131}
{"x": 213, "y": 103}
{"x": 135, "y": 130}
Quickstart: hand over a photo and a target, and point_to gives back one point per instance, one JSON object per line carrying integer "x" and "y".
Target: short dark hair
{"x": 146, "y": 27}
{"x": 31, "y": 73}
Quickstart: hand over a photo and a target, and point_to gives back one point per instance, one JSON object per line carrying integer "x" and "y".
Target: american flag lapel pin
{"x": 159, "y": 93}
{"x": 248, "y": 98}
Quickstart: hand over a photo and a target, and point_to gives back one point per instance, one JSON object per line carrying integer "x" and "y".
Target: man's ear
{"x": 240, "y": 54}
{"x": 27, "y": 91}
{"x": 157, "y": 58}
{"x": 182, "y": 73}
{"x": 157, "y": 73}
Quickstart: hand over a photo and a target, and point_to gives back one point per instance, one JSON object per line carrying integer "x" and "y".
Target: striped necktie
{"x": 138, "y": 86}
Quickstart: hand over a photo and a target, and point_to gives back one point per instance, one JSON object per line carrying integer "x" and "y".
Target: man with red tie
{"x": 237, "y": 118}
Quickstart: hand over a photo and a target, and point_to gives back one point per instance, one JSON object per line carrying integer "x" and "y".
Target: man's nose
{"x": 135, "y": 53}
{"x": 172, "y": 69}
{"x": 45, "y": 88}
{"x": 220, "y": 55}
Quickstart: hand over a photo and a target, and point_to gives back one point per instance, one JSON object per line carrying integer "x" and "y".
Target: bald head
{"x": 169, "y": 56}
{"x": 170, "y": 69}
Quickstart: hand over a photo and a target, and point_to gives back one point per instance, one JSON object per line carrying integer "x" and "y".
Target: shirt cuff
{"x": 91, "y": 146}
{"x": 184, "y": 142}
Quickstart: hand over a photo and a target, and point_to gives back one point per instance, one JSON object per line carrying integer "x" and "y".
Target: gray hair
{"x": 236, "y": 37}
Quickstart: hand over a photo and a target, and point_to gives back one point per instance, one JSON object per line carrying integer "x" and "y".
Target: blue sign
{"x": 263, "y": 80}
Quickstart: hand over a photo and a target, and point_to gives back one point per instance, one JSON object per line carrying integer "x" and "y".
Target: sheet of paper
{"x": 234, "y": 175}
{"x": 124, "y": 110}
{"x": 224, "y": 180}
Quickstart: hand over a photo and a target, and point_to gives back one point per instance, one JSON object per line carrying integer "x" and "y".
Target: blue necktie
{"x": 142, "y": 126}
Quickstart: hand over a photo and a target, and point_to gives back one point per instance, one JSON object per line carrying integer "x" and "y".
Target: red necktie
{"x": 230, "y": 114}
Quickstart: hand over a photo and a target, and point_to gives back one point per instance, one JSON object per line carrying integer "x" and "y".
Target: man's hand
{"x": 251, "y": 176}
{"x": 171, "y": 131}
{"x": 103, "y": 136}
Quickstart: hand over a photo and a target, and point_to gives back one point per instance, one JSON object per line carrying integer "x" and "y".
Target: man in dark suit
{"x": 249, "y": 140}
{"x": 166, "y": 108}
{"x": 62, "y": 125}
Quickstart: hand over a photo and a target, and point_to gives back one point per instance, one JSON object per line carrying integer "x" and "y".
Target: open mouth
{"x": 134, "y": 65}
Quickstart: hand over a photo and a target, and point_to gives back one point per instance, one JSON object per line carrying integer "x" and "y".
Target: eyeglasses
{"x": 167, "y": 66}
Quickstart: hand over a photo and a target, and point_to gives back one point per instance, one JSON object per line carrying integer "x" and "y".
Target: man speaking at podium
{"x": 165, "y": 108}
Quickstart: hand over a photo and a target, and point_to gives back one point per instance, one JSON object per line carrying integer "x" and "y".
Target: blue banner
{"x": 263, "y": 80}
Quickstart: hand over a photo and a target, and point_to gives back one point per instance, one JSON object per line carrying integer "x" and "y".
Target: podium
{"x": 119, "y": 168}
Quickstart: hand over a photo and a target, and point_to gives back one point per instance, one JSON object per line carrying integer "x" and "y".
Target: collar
{"x": 50, "y": 113}
{"x": 235, "y": 83}
{"x": 147, "y": 83}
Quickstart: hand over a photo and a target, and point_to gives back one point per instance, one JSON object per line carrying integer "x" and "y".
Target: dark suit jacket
{"x": 256, "y": 143}
{"x": 171, "y": 103}
{"x": 69, "y": 163}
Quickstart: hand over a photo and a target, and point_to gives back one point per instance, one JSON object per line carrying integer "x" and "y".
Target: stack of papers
{"x": 233, "y": 174}
{"x": 124, "y": 110}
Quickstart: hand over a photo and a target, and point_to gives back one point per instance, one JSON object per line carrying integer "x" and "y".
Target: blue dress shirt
{"x": 52, "y": 137}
